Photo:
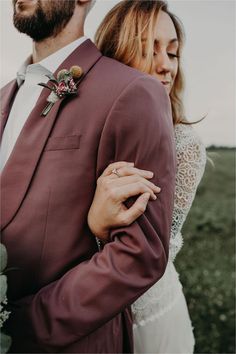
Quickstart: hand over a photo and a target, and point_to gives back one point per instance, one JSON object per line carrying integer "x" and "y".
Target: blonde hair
{"x": 120, "y": 36}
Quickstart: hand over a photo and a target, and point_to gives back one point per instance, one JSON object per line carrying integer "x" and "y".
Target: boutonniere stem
{"x": 66, "y": 84}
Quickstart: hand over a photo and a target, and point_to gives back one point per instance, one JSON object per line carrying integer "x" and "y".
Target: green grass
{"x": 207, "y": 261}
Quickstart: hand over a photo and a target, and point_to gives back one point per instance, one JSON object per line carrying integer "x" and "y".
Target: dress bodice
{"x": 191, "y": 160}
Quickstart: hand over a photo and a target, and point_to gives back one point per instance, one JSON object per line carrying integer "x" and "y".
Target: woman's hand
{"x": 119, "y": 181}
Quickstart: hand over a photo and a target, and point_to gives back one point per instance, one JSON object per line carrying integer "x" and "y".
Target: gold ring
{"x": 115, "y": 172}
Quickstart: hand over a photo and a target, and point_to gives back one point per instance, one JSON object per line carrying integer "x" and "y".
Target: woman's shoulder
{"x": 189, "y": 142}
{"x": 186, "y": 134}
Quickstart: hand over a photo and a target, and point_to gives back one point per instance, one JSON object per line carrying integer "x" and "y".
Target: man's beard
{"x": 45, "y": 22}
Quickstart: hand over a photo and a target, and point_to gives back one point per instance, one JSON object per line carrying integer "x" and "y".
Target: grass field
{"x": 207, "y": 261}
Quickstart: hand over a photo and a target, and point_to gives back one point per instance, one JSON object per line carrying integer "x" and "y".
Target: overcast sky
{"x": 209, "y": 60}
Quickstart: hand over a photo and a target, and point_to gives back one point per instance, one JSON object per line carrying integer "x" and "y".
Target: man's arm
{"x": 137, "y": 129}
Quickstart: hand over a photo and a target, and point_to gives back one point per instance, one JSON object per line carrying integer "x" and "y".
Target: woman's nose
{"x": 163, "y": 63}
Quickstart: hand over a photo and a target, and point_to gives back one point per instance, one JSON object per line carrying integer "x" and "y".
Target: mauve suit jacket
{"x": 65, "y": 296}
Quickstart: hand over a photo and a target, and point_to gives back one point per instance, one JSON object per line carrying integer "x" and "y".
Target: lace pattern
{"x": 191, "y": 160}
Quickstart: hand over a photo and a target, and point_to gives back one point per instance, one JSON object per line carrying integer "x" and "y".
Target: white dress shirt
{"x": 28, "y": 78}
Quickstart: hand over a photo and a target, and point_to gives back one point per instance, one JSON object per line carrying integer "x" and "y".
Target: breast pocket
{"x": 63, "y": 143}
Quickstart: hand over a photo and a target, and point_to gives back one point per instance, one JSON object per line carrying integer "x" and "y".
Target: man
{"x": 65, "y": 296}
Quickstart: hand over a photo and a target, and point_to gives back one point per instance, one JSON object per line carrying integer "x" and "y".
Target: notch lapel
{"x": 20, "y": 167}
{"x": 7, "y": 95}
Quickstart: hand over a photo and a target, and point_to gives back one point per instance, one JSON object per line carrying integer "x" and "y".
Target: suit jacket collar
{"x": 7, "y": 95}
{"x": 19, "y": 169}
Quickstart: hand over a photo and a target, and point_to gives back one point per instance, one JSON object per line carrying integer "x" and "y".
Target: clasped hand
{"x": 108, "y": 209}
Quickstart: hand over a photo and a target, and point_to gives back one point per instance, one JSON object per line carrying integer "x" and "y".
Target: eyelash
{"x": 173, "y": 55}
{"x": 169, "y": 54}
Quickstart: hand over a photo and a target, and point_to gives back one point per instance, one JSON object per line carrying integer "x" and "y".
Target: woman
{"x": 146, "y": 36}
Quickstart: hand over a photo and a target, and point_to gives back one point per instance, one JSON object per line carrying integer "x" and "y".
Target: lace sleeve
{"x": 191, "y": 160}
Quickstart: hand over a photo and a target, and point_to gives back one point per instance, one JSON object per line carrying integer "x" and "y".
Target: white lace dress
{"x": 161, "y": 319}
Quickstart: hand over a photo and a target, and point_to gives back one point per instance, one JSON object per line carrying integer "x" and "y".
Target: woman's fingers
{"x": 128, "y": 170}
{"x": 122, "y": 181}
{"x": 136, "y": 210}
{"x": 120, "y": 189}
{"x": 115, "y": 165}
{"x": 125, "y": 169}
{"x": 130, "y": 190}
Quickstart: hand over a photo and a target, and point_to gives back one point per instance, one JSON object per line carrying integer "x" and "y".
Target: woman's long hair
{"x": 120, "y": 36}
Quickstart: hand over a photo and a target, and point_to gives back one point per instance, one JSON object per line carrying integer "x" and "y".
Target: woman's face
{"x": 165, "y": 58}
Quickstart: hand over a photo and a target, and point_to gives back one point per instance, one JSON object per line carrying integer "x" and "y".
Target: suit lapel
{"x": 7, "y": 95}
{"x": 20, "y": 167}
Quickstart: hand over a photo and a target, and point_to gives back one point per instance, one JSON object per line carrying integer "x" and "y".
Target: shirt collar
{"x": 49, "y": 64}
{"x": 20, "y": 76}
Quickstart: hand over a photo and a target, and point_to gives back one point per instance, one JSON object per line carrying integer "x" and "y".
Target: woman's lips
{"x": 165, "y": 83}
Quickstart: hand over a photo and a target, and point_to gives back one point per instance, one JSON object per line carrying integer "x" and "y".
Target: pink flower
{"x": 72, "y": 85}
{"x": 61, "y": 88}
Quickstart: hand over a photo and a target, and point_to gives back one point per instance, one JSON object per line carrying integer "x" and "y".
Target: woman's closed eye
{"x": 172, "y": 55}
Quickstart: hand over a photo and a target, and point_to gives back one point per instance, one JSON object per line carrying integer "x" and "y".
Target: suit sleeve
{"x": 138, "y": 128}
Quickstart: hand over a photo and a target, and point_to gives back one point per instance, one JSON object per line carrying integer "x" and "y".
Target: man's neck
{"x": 49, "y": 46}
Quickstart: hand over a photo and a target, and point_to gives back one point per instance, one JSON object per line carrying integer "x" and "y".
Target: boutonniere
{"x": 66, "y": 84}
